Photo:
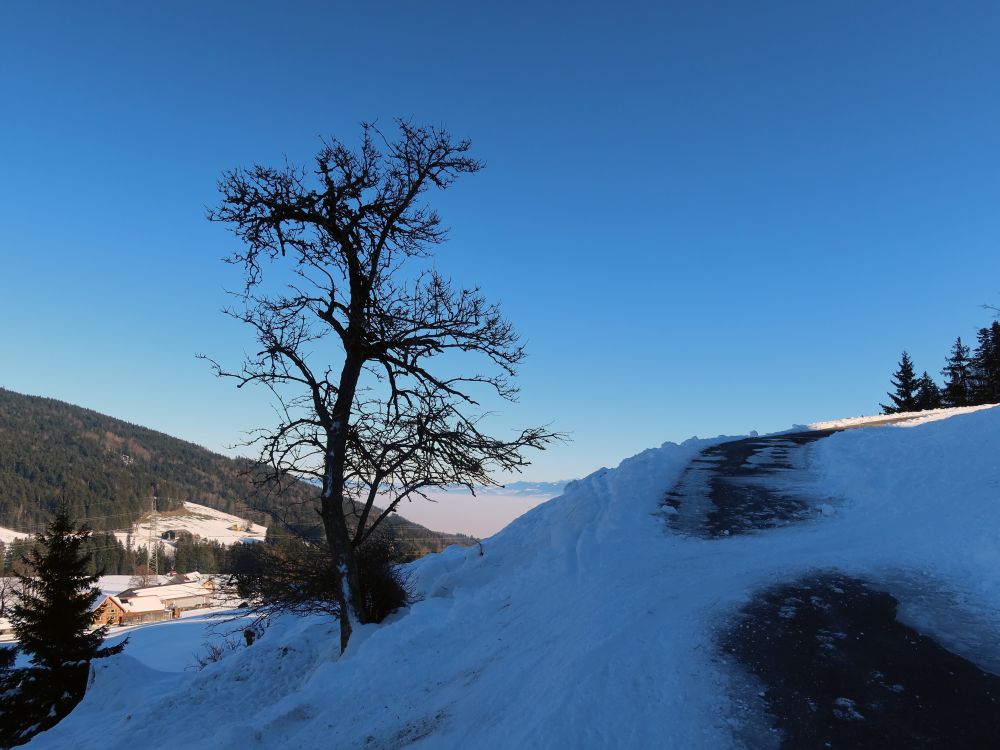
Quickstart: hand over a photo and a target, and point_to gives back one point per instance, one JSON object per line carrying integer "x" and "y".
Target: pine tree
{"x": 985, "y": 366}
{"x": 957, "y": 376}
{"x": 52, "y": 622}
{"x": 52, "y": 617}
{"x": 905, "y": 382}
{"x": 928, "y": 393}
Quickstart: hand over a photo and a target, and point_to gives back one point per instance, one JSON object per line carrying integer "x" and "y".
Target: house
{"x": 6, "y": 629}
{"x": 195, "y": 591}
{"x": 147, "y": 609}
{"x": 112, "y": 610}
{"x": 108, "y": 611}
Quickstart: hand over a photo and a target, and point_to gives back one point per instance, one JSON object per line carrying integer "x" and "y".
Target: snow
{"x": 200, "y": 520}
{"x": 144, "y": 604}
{"x": 171, "y": 591}
{"x": 114, "y": 585}
{"x": 98, "y": 602}
{"x": 175, "y": 645}
{"x": 907, "y": 419}
{"x": 846, "y": 710}
{"x": 9, "y": 535}
{"x": 585, "y": 623}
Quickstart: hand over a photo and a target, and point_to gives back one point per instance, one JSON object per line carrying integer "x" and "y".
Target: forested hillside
{"x": 107, "y": 471}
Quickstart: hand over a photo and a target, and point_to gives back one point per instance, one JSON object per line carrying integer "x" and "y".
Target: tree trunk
{"x": 335, "y": 528}
{"x": 351, "y": 601}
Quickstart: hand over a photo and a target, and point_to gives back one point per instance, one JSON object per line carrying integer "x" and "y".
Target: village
{"x": 147, "y": 602}
{"x": 128, "y": 601}
{"x": 155, "y": 603}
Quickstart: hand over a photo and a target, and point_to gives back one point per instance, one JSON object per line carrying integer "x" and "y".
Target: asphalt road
{"x": 726, "y": 489}
{"x": 826, "y": 661}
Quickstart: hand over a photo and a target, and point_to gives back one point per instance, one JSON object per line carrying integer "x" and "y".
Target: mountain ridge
{"x": 107, "y": 470}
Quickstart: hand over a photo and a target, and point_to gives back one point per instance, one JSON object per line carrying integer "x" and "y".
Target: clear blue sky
{"x": 704, "y": 217}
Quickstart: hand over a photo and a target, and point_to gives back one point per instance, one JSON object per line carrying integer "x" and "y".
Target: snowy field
{"x": 201, "y": 521}
{"x": 9, "y": 535}
{"x": 586, "y": 623}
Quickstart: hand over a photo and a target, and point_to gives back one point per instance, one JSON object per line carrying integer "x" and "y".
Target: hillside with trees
{"x": 106, "y": 471}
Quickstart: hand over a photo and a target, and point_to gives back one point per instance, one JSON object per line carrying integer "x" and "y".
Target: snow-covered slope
{"x": 586, "y": 623}
{"x": 9, "y": 535}
{"x": 200, "y": 520}
{"x": 907, "y": 419}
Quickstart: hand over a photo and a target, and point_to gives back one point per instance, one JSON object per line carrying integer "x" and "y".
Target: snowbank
{"x": 586, "y": 623}
{"x": 906, "y": 419}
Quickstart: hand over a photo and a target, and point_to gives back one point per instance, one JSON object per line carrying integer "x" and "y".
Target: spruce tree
{"x": 993, "y": 364}
{"x": 928, "y": 393}
{"x": 52, "y": 621}
{"x": 52, "y": 617}
{"x": 986, "y": 366}
{"x": 904, "y": 381}
{"x": 957, "y": 376}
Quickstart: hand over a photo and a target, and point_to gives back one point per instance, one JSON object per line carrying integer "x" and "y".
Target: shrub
{"x": 290, "y": 574}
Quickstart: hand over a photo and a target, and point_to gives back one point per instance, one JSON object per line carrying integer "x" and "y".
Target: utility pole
{"x": 153, "y": 540}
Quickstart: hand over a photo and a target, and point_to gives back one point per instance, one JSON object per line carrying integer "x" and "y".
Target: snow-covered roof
{"x": 167, "y": 591}
{"x": 144, "y": 604}
{"x": 99, "y": 602}
{"x": 133, "y": 604}
{"x": 191, "y": 577}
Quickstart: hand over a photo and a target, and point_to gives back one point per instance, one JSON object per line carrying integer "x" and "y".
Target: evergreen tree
{"x": 957, "y": 376}
{"x": 986, "y": 366}
{"x": 52, "y": 616}
{"x": 52, "y": 622}
{"x": 928, "y": 393}
{"x": 905, "y": 383}
{"x": 206, "y": 556}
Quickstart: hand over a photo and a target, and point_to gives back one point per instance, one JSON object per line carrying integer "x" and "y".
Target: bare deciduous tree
{"x": 142, "y": 575}
{"x": 8, "y": 594}
{"x": 383, "y": 413}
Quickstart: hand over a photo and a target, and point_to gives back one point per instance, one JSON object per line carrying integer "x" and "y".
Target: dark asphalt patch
{"x": 839, "y": 671}
{"x": 724, "y": 491}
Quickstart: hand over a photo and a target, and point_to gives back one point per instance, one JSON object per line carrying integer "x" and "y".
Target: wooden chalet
{"x": 108, "y": 611}
{"x": 112, "y": 610}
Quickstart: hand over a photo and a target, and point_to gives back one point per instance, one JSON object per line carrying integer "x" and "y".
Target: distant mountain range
{"x": 107, "y": 471}
{"x": 537, "y": 488}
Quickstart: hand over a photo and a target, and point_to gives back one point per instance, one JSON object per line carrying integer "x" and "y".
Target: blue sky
{"x": 704, "y": 218}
